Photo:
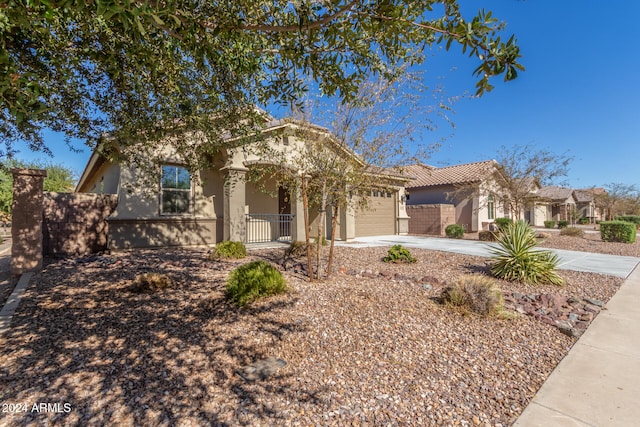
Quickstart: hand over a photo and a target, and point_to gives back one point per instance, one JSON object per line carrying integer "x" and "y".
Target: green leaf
{"x": 157, "y": 19}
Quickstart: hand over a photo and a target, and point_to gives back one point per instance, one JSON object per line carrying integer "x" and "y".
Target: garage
{"x": 379, "y": 218}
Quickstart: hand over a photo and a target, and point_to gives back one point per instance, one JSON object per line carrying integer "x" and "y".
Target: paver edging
{"x": 10, "y": 306}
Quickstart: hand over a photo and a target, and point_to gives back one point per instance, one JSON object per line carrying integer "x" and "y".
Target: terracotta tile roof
{"x": 595, "y": 191}
{"x": 426, "y": 176}
{"x": 390, "y": 172}
{"x": 554, "y": 193}
{"x": 583, "y": 196}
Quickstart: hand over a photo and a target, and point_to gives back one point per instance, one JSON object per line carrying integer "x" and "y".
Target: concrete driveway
{"x": 613, "y": 265}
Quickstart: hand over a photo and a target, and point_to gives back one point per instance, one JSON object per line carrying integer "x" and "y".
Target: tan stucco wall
{"x": 262, "y": 201}
{"x": 210, "y": 195}
{"x": 464, "y": 215}
{"x": 161, "y": 232}
{"x": 105, "y": 181}
{"x": 138, "y": 222}
{"x": 136, "y": 202}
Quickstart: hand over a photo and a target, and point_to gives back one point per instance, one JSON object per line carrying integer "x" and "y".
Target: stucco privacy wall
{"x": 26, "y": 228}
{"x": 74, "y": 223}
{"x": 430, "y": 219}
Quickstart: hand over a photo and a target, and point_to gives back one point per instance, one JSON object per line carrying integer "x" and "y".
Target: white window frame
{"x": 491, "y": 207}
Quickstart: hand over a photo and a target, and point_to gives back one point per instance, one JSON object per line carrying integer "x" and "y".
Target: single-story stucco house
{"x": 560, "y": 201}
{"x": 219, "y": 203}
{"x": 586, "y": 205}
{"x": 468, "y": 187}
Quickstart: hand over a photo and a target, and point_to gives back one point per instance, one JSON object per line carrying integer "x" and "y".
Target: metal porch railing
{"x": 268, "y": 228}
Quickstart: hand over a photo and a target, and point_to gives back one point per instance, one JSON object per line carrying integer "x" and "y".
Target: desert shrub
{"x": 517, "y": 259}
{"x": 229, "y": 250}
{"x": 399, "y": 254}
{"x": 549, "y": 224}
{"x": 455, "y": 231}
{"x": 562, "y": 223}
{"x": 323, "y": 241}
{"x": 584, "y": 221}
{"x": 502, "y": 223}
{"x": 630, "y": 218}
{"x": 487, "y": 236}
{"x": 474, "y": 293}
{"x": 454, "y": 295}
{"x": 252, "y": 281}
{"x": 618, "y": 231}
{"x": 151, "y": 282}
{"x": 572, "y": 231}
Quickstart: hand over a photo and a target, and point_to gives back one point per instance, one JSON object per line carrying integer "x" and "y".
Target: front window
{"x": 175, "y": 191}
{"x": 491, "y": 206}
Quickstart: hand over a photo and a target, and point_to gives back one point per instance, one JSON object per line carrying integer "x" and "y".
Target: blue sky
{"x": 580, "y": 92}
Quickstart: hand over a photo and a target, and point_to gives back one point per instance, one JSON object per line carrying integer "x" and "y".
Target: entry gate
{"x": 268, "y": 228}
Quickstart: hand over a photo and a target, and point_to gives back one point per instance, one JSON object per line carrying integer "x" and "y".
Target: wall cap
{"x": 29, "y": 172}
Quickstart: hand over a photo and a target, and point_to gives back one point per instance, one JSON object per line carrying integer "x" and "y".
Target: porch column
{"x": 297, "y": 223}
{"x": 235, "y": 224}
{"x": 347, "y": 222}
{"x": 475, "y": 209}
{"x": 402, "y": 216}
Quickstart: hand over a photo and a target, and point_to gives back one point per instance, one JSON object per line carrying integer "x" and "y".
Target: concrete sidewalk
{"x": 613, "y": 265}
{"x": 598, "y": 382}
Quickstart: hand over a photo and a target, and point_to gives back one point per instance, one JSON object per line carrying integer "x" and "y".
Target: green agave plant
{"x": 516, "y": 258}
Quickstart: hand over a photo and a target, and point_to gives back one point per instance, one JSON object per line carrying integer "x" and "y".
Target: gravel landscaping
{"x": 591, "y": 242}
{"x": 371, "y": 346}
{"x": 7, "y": 283}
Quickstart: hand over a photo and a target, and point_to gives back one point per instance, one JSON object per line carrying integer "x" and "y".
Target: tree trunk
{"x": 321, "y": 220}
{"x": 334, "y": 225}
{"x": 305, "y": 205}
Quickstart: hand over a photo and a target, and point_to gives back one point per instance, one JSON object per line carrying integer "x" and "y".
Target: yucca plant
{"x": 517, "y": 259}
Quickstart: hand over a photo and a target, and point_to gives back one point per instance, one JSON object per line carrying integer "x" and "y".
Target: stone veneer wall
{"x": 26, "y": 222}
{"x": 74, "y": 223}
{"x": 430, "y": 219}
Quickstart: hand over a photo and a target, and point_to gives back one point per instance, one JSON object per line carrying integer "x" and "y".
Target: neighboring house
{"x": 536, "y": 210}
{"x": 219, "y": 204}
{"x": 561, "y": 203}
{"x": 585, "y": 205}
{"x": 468, "y": 187}
{"x": 600, "y": 211}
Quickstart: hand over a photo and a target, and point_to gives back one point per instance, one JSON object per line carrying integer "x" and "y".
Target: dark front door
{"x": 284, "y": 201}
{"x": 284, "y": 208}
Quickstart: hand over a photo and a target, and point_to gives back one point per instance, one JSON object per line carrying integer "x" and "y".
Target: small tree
{"x": 513, "y": 176}
{"x": 520, "y": 167}
{"x": 59, "y": 179}
{"x": 154, "y": 68}
{"x": 618, "y": 198}
{"x": 365, "y": 138}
